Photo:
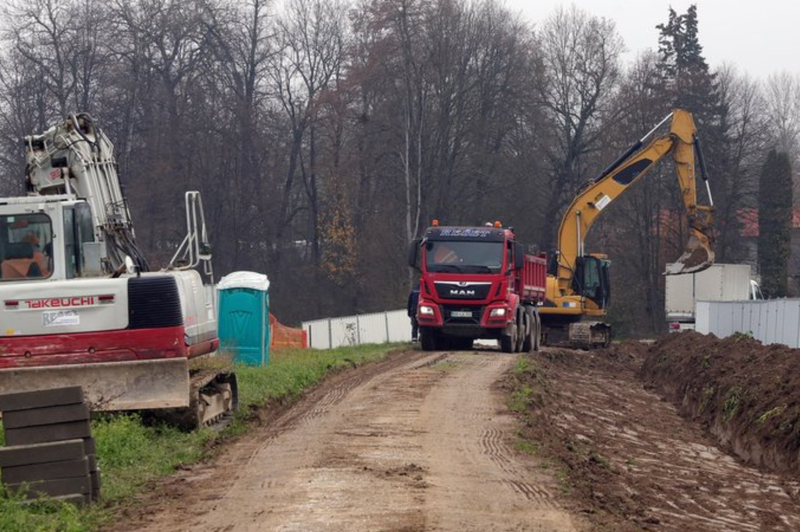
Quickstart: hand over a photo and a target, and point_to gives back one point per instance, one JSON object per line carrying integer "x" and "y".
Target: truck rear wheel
{"x": 519, "y": 341}
{"x": 529, "y": 330}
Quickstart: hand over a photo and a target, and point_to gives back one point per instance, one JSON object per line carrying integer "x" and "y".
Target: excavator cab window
{"x": 25, "y": 246}
{"x": 77, "y": 230}
{"x": 591, "y": 280}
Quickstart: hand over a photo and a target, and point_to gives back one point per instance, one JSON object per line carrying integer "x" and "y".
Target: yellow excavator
{"x": 578, "y": 287}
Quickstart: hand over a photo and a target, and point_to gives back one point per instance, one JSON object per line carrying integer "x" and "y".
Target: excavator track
{"x": 589, "y": 335}
{"x": 214, "y": 397}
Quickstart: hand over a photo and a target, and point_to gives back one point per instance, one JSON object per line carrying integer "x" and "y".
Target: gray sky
{"x": 759, "y": 37}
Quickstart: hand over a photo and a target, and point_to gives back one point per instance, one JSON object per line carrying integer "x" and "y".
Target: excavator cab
{"x": 591, "y": 279}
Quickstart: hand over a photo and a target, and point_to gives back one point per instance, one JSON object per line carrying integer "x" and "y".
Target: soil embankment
{"x": 636, "y": 461}
{"x": 745, "y": 393}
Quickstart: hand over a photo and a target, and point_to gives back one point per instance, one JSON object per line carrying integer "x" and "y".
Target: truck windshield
{"x": 464, "y": 256}
{"x": 26, "y": 247}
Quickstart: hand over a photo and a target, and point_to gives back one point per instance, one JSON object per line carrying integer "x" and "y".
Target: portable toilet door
{"x": 244, "y": 317}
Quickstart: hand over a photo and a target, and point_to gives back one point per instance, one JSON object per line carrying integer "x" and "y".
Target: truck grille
{"x": 462, "y": 290}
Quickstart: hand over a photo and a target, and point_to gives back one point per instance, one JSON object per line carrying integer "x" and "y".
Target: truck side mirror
{"x": 413, "y": 253}
{"x": 519, "y": 256}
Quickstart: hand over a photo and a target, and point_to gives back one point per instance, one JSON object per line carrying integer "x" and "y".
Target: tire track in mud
{"x": 422, "y": 443}
{"x": 178, "y": 500}
{"x": 679, "y": 479}
{"x": 476, "y": 475}
{"x": 494, "y": 445}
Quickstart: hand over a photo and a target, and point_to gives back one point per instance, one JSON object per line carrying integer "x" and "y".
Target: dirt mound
{"x": 747, "y": 394}
{"x": 626, "y": 356}
{"x": 552, "y": 384}
{"x": 629, "y": 459}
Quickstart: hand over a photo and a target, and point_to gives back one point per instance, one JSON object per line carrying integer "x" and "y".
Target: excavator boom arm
{"x": 681, "y": 142}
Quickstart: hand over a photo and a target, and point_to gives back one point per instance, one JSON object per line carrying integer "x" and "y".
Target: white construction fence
{"x": 375, "y": 328}
{"x": 775, "y": 321}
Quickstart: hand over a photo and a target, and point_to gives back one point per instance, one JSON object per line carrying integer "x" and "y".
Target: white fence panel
{"x": 763, "y": 319}
{"x": 702, "y": 317}
{"x": 775, "y": 321}
{"x": 375, "y": 328}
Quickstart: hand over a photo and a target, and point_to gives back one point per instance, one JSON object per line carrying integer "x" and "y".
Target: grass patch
{"x": 705, "y": 399}
{"x": 525, "y": 367}
{"x": 766, "y": 416}
{"x": 132, "y": 455}
{"x": 731, "y": 404}
{"x": 446, "y": 365}
{"x": 527, "y": 447}
{"x": 530, "y": 386}
{"x": 521, "y": 399}
{"x": 17, "y": 515}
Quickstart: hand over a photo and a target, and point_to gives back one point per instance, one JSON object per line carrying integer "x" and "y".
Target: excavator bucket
{"x": 697, "y": 255}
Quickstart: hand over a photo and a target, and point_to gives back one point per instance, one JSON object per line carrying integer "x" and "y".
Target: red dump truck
{"x": 477, "y": 282}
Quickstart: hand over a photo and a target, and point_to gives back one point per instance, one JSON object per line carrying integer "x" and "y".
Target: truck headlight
{"x": 497, "y": 313}
{"x": 425, "y": 310}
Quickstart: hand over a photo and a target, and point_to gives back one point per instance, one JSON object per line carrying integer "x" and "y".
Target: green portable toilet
{"x": 244, "y": 317}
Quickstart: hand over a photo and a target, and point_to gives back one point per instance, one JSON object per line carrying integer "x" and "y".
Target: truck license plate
{"x": 461, "y": 314}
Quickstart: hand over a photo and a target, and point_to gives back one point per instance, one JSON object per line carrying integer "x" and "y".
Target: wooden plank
{"x": 45, "y": 433}
{"x": 96, "y": 484}
{"x": 45, "y": 415}
{"x": 11, "y": 402}
{"x": 40, "y": 453}
{"x": 47, "y": 471}
{"x": 55, "y": 488}
{"x": 89, "y": 446}
{"x": 74, "y": 498}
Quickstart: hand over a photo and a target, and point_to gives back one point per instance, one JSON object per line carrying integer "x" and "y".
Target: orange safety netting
{"x": 282, "y": 336}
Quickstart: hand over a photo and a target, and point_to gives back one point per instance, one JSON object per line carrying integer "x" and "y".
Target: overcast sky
{"x": 760, "y": 37}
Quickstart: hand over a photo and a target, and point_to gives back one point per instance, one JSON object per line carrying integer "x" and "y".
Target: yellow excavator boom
{"x": 681, "y": 141}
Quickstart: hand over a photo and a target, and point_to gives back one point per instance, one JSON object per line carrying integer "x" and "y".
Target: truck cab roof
{"x": 488, "y": 234}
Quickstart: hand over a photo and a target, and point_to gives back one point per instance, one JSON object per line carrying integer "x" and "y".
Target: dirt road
{"x": 425, "y": 442}
{"x": 422, "y": 442}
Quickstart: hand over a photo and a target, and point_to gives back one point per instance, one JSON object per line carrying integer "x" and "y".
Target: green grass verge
{"x": 131, "y": 455}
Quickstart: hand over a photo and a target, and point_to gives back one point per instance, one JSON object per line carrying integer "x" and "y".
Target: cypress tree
{"x": 774, "y": 223}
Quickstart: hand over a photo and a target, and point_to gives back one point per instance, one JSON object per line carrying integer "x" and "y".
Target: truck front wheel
{"x": 428, "y": 339}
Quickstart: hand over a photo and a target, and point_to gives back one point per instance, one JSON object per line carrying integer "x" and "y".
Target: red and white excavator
{"x": 78, "y": 304}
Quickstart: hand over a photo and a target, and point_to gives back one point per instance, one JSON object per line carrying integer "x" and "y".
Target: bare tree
{"x": 581, "y": 57}
{"x": 242, "y": 36}
{"x": 782, "y": 97}
{"x": 746, "y": 130}
{"x": 311, "y": 40}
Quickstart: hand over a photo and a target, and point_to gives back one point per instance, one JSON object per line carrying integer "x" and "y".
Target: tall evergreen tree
{"x": 774, "y": 223}
{"x": 687, "y": 82}
{"x": 685, "y": 75}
